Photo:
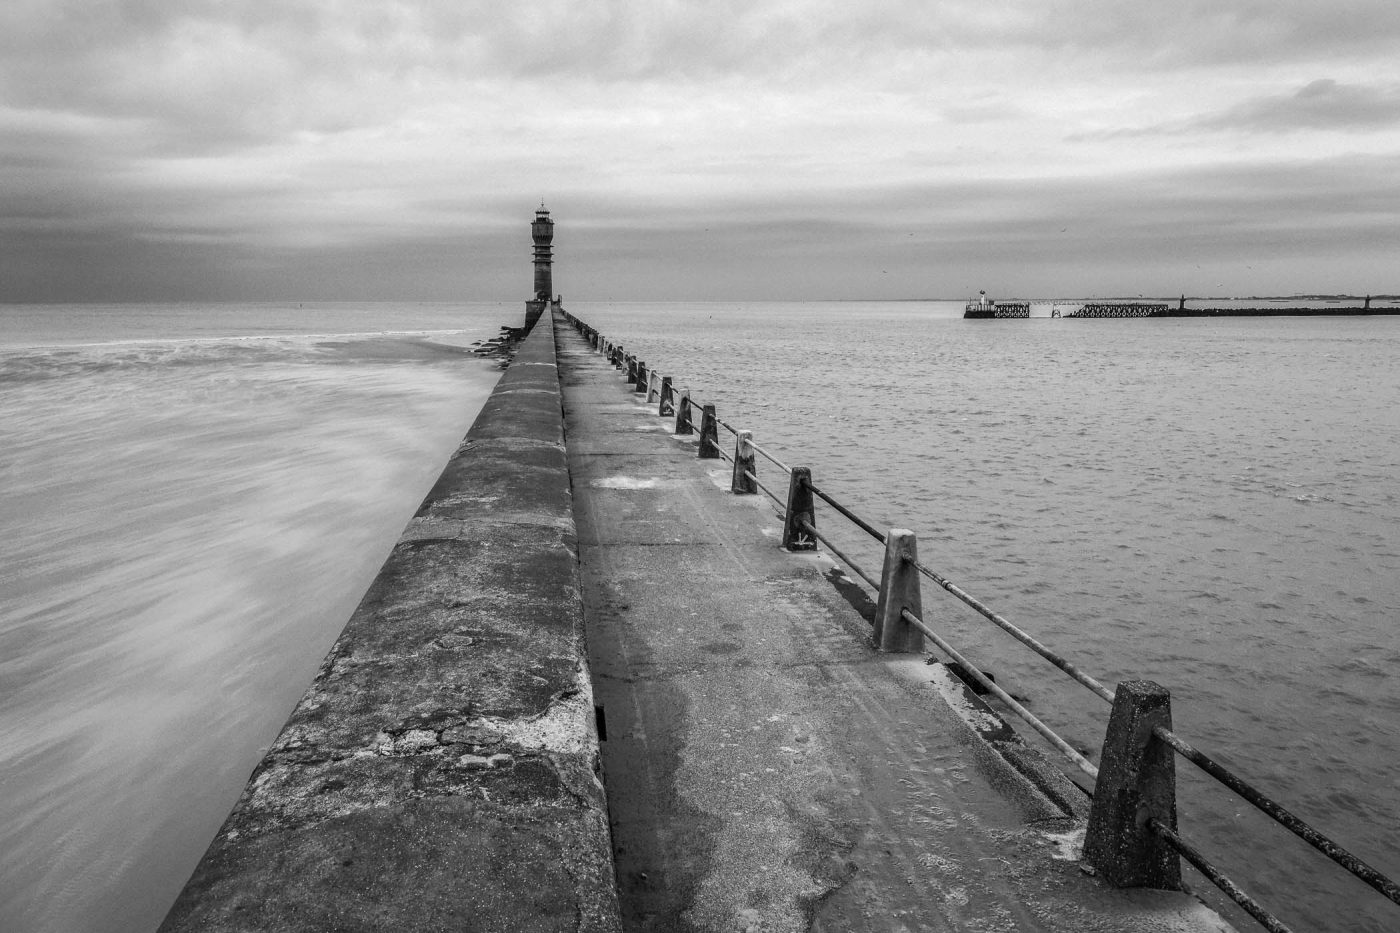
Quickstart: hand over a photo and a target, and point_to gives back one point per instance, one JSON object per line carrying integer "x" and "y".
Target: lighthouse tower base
{"x": 536, "y": 307}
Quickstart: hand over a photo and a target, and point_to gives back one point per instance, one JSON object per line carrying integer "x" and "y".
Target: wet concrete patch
{"x": 626, "y": 482}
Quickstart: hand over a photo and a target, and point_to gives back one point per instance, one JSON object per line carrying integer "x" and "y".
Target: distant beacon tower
{"x": 542, "y": 231}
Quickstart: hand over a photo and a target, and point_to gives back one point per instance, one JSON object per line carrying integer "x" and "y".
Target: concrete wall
{"x": 442, "y": 770}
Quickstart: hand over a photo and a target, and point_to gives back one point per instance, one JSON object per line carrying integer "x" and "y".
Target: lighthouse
{"x": 542, "y": 232}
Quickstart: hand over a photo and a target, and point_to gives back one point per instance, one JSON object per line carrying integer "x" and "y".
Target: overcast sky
{"x": 298, "y": 149}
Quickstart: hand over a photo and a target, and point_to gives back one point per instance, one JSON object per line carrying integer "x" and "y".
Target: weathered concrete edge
{"x": 442, "y": 770}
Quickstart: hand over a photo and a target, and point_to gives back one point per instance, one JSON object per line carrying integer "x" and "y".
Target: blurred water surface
{"x": 194, "y": 499}
{"x": 1211, "y": 504}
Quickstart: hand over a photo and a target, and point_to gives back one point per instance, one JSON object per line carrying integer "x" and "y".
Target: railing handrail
{"x": 991, "y": 687}
{"x": 1265, "y": 804}
{"x": 1281, "y": 815}
{"x": 1017, "y": 633}
{"x": 859, "y": 522}
{"x": 1231, "y": 890}
{"x": 995, "y": 618}
{"x": 759, "y": 483}
{"x": 774, "y": 460}
{"x": 1275, "y": 811}
{"x": 860, "y": 572}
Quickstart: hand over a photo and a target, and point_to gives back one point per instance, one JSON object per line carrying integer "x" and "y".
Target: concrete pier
{"x": 767, "y": 769}
{"x": 441, "y": 771}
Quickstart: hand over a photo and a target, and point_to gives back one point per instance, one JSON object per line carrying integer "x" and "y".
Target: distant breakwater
{"x": 1274, "y": 312}
{"x": 1139, "y": 309}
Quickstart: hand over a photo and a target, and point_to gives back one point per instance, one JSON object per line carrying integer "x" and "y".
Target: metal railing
{"x": 1130, "y": 846}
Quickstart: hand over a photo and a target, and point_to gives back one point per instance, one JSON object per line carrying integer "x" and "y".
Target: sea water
{"x": 194, "y": 499}
{"x": 1210, "y": 504}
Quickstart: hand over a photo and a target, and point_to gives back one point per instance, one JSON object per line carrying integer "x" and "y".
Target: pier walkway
{"x": 766, "y": 769}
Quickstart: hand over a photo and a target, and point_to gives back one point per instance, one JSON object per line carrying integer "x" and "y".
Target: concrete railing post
{"x": 631, "y": 369}
{"x": 667, "y": 408}
{"x": 683, "y": 425}
{"x": 801, "y": 513}
{"x": 709, "y": 434}
{"x": 641, "y": 377}
{"x": 653, "y": 386}
{"x": 745, "y": 466}
{"x": 899, "y": 590}
{"x": 1137, "y": 782}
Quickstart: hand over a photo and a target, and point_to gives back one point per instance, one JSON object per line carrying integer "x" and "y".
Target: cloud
{"x": 1320, "y": 105}
{"x": 1129, "y": 37}
{"x": 323, "y": 133}
{"x": 1163, "y": 231}
{"x": 1299, "y": 224}
{"x": 1324, "y": 104}
{"x": 207, "y": 76}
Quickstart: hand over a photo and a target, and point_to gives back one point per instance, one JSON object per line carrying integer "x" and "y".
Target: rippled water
{"x": 1211, "y": 504}
{"x": 193, "y": 501}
